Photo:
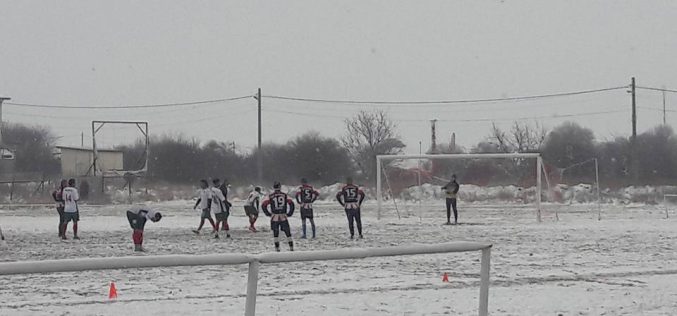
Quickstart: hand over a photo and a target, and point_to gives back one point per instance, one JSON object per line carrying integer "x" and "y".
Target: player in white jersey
{"x": 204, "y": 201}
{"x": 219, "y": 208}
{"x": 251, "y": 207}
{"x": 137, "y": 218}
{"x": 71, "y": 212}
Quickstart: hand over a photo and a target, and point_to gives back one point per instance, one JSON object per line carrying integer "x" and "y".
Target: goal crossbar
{"x": 254, "y": 261}
{"x": 539, "y": 168}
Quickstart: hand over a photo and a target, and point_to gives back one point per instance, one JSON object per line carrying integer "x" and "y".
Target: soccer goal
{"x": 110, "y": 162}
{"x": 514, "y": 177}
{"x": 669, "y": 201}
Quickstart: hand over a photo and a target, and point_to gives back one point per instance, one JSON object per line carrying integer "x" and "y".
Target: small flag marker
{"x": 112, "y": 292}
{"x": 445, "y": 277}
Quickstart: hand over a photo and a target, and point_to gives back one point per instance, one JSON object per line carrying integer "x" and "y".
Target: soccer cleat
{"x": 277, "y": 248}
{"x": 303, "y": 237}
{"x": 216, "y": 236}
{"x": 361, "y": 237}
{"x": 76, "y": 237}
{"x": 139, "y": 248}
{"x": 227, "y": 235}
{"x": 352, "y": 237}
{"x": 196, "y": 231}
{"x": 291, "y": 247}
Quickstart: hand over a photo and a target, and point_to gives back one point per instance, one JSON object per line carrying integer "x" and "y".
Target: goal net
{"x": 406, "y": 181}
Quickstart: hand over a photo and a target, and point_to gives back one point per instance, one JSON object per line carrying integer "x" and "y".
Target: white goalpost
{"x": 381, "y": 159}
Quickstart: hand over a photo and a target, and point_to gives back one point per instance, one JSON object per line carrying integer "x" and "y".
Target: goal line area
{"x": 439, "y": 168}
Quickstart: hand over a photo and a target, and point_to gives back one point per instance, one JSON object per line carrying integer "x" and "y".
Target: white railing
{"x": 254, "y": 261}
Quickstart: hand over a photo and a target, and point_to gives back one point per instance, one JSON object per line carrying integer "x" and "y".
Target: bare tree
{"x": 522, "y": 137}
{"x": 369, "y": 134}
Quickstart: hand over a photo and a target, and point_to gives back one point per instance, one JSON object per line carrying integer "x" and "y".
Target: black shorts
{"x": 280, "y": 225}
{"x": 136, "y": 221}
{"x": 223, "y": 216}
{"x": 306, "y": 213}
{"x": 68, "y": 216}
{"x": 251, "y": 211}
{"x": 206, "y": 213}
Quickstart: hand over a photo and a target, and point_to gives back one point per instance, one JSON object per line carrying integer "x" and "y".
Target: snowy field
{"x": 625, "y": 264}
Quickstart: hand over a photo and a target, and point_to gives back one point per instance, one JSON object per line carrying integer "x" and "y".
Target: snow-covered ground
{"x": 625, "y": 264}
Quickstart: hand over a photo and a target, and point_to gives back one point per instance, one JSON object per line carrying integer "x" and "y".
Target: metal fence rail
{"x": 254, "y": 261}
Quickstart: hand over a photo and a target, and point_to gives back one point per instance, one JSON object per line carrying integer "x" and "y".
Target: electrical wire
{"x": 656, "y": 89}
{"x": 143, "y": 106}
{"x": 489, "y": 100}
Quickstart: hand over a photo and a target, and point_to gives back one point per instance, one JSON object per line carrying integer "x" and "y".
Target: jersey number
{"x": 308, "y": 195}
{"x": 351, "y": 193}
{"x": 279, "y": 202}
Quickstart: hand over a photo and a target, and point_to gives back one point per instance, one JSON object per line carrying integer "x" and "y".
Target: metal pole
{"x": 538, "y": 188}
{"x": 252, "y": 283}
{"x": 599, "y": 200}
{"x": 1, "y": 122}
{"x": 664, "y": 122}
{"x": 484, "y": 281}
{"x": 260, "y": 153}
{"x": 633, "y": 143}
{"x": 378, "y": 187}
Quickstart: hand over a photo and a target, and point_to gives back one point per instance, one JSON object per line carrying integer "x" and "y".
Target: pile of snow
{"x": 560, "y": 193}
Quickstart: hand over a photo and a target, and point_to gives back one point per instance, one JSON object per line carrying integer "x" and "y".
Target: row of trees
{"x": 325, "y": 160}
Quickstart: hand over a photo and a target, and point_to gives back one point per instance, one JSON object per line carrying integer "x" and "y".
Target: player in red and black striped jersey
{"x": 281, "y": 207}
{"x": 351, "y": 197}
{"x": 305, "y": 196}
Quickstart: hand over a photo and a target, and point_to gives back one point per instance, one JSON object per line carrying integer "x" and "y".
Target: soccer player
{"x": 58, "y": 198}
{"x": 281, "y": 207}
{"x": 221, "y": 211}
{"x": 71, "y": 212}
{"x": 251, "y": 208}
{"x": 305, "y": 196}
{"x": 204, "y": 201}
{"x": 351, "y": 197}
{"x": 224, "y": 189}
{"x": 451, "y": 190}
{"x": 137, "y": 220}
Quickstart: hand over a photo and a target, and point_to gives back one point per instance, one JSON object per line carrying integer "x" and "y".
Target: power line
{"x": 519, "y": 98}
{"x": 651, "y": 88}
{"x": 143, "y": 106}
{"x": 554, "y": 116}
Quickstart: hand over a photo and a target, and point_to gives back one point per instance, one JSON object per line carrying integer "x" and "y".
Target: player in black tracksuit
{"x": 351, "y": 197}
{"x": 451, "y": 190}
{"x": 281, "y": 207}
{"x": 305, "y": 196}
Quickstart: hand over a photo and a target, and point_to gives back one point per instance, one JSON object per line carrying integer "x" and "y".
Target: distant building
{"x": 77, "y": 162}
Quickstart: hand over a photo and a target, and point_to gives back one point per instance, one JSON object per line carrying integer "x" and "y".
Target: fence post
{"x": 252, "y": 283}
{"x": 484, "y": 282}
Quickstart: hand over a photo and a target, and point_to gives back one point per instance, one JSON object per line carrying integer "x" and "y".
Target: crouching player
{"x": 137, "y": 220}
{"x": 305, "y": 196}
{"x": 279, "y": 202}
{"x": 351, "y": 197}
{"x": 251, "y": 208}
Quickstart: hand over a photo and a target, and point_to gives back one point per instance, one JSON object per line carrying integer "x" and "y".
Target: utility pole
{"x": 433, "y": 143}
{"x": 633, "y": 141}
{"x": 664, "y": 122}
{"x": 2, "y": 99}
{"x": 259, "y": 156}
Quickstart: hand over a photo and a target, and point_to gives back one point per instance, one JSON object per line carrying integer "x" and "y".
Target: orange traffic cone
{"x": 445, "y": 277}
{"x": 112, "y": 292}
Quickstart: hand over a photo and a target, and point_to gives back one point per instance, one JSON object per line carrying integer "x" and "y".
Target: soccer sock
{"x": 137, "y": 237}
{"x": 75, "y": 228}
{"x": 312, "y": 225}
{"x": 225, "y": 226}
{"x": 303, "y": 227}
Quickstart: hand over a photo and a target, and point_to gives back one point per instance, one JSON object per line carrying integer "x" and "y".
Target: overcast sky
{"x": 149, "y": 52}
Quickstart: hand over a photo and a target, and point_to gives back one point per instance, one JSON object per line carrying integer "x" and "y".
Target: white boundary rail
{"x": 537, "y": 156}
{"x": 254, "y": 261}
